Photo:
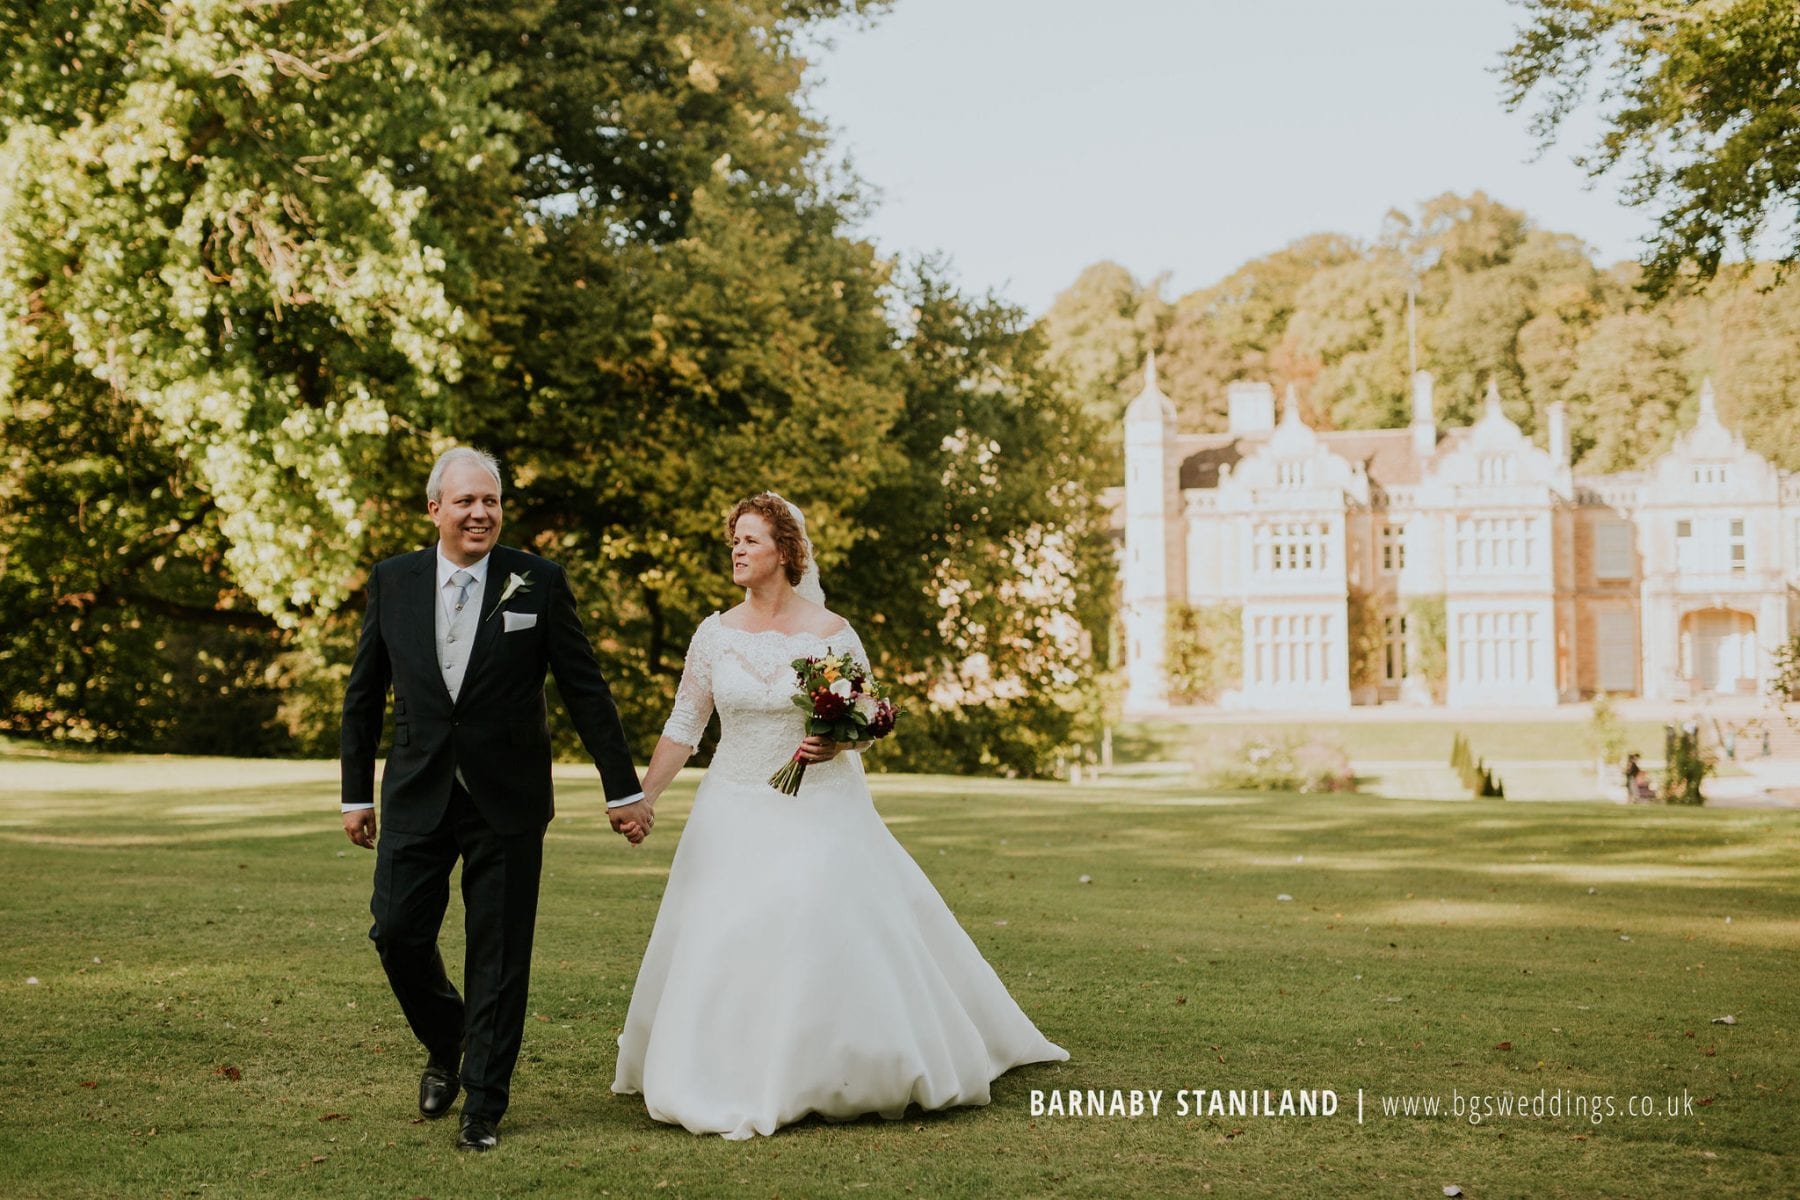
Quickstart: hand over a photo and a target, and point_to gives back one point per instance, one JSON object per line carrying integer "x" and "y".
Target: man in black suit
{"x": 464, "y": 632}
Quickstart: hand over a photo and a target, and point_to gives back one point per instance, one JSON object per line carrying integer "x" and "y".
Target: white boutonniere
{"x": 515, "y": 583}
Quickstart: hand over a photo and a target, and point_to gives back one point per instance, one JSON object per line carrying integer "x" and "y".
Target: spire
{"x": 1424, "y": 421}
{"x": 1493, "y": 397}
{"x": 1290, "y": 406}
{"x": 1709, "y": 408}
{"x": 1151, "y": 405}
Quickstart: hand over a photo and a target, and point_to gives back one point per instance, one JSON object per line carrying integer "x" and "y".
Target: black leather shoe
{"x": 438, "y": 1088}
{"x": 478, "y": 1134}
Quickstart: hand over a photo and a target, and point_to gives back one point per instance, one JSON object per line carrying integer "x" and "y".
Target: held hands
{"x": 359, "y": 827}
{"x": 633, "y": 820}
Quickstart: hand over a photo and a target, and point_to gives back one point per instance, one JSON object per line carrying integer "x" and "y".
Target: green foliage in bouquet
{"x": 841, "y": 702}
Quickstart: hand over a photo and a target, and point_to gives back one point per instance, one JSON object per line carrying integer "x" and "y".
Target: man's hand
{"x": 633, "y": 820}
{"x": 359, "y": 827}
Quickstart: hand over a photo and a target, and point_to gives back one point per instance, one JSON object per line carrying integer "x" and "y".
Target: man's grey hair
{"x": 434, "y": 486}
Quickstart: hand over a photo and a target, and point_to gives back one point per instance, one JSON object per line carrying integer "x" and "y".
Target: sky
{"x": 1027, "y": 139}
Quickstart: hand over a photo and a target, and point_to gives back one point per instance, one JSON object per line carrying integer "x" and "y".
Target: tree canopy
{"x": 1699, "y": 115}
{"x": 261, "y": 261}
{"x": 1494, "y": 296}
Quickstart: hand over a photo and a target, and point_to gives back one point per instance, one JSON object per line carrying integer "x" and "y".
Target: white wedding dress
{"x": 801, "y": 962}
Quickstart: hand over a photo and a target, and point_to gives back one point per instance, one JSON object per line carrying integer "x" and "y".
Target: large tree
{"x": 230, "y": 267}
{"x": 273, "y": 256}
{"x": 1701, "y": 106}
{"x": 1627, "y": 392}
{"x": 1744, "y": 334}
{"x": 985, "y": 575}
{"x": 696, "y": 324}
{"x": 1097, "y": 332}
{"x": 1237, "y": 328}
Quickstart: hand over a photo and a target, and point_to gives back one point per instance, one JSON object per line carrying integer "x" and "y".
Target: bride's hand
{"x": 637, "y": 830}
{"x": 633, "y": 820}
{"x": 818, "y": 749}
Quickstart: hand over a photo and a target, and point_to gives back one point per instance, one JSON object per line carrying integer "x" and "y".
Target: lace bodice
{"x": 749, "y": 678}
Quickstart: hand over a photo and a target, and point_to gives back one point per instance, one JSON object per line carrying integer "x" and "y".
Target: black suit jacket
{"x": 496, "y": 730}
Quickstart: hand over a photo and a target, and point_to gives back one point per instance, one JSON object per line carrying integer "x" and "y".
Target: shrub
{"x": 1430, "y": 654}
{"x": 1784, "y": 679}
{"x": 1284, "y": 763}
{"x": 1688, "y": 765}
{"x": 1605, "y": 732}
{"x": 1367, "y": 642}
{"x": 1475, "y": 774}
{"x": 1205, "y": 651}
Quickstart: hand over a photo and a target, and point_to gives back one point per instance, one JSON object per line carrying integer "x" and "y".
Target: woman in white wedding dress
{"x": 801, "y": 962}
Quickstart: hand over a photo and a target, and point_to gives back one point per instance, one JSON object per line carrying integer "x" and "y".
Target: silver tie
{"x": 462, "y": 581}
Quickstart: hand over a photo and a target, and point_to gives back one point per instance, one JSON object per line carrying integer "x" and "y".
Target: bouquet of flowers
{"x": 841, "y": 702}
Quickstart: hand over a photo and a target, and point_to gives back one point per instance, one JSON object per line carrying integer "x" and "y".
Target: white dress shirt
{"x": 446, "y": 568}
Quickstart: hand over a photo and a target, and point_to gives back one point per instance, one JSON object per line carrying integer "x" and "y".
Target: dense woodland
{"x": 260, "y": 261}
{"x": 1494, "y": 297}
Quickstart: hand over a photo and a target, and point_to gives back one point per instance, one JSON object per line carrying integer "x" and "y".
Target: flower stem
{"x": 787, "y": 780}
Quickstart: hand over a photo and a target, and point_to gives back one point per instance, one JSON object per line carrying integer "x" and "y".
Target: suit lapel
{"x": 422, "y": 600}
{"x": 489, "y": 629}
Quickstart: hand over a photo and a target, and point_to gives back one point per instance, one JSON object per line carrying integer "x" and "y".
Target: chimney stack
{"x": 1251, "y": 407}
{"x": 1559, "y": 434}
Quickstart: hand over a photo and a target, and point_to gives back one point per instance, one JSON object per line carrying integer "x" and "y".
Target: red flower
{"x": 828, "y": 705}
{"x": 882, "y": 723}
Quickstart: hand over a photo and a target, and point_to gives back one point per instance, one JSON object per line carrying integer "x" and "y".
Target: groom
{"x": 463, "y": 632}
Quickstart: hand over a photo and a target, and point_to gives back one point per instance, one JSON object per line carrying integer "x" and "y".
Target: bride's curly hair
{"x": 786, "y": 531}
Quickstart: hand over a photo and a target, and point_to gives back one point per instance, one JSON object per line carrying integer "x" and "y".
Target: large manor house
{"x": 1469, "y": 565}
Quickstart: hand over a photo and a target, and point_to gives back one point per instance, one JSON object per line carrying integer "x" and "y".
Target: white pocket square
{"x": 517, "y": 621}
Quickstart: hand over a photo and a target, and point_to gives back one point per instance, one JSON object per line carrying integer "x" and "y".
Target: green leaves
{"x": 273, "y": 257}
{"x": 234, "y": 240}
{"x": 218, "y": 222}
{"x": 1495, "y": 297}
{"x": 985, "y": 581}
{"x": 1698, "y": 111}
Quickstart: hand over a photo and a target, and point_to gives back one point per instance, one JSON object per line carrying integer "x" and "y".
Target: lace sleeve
{"x": 694, "y": 698}
{"x": 848, "y": 643}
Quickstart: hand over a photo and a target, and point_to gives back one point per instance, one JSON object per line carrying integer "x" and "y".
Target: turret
{"x": 1154, "y": 573}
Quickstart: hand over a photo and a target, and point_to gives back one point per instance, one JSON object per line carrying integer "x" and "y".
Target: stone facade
{"x": 1358, "y": 559}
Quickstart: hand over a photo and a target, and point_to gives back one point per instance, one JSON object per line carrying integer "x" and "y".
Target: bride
{"x": 801, "y": 962}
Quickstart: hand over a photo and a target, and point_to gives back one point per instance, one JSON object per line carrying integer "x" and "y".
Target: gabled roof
{"x": 1386, "y": 454}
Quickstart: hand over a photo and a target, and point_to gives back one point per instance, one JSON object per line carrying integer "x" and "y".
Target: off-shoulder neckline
{"x": 840, "y": 631}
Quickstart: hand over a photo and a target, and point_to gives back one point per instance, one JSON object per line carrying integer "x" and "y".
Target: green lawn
{"x": 1392, "y": 738}
{"x": 209, "y": 1018}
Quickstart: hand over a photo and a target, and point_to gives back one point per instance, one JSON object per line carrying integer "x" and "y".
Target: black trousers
{"x": 500, "y": 892}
